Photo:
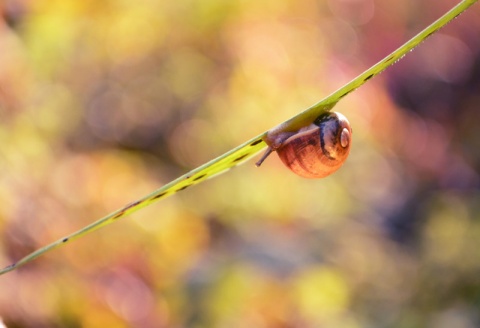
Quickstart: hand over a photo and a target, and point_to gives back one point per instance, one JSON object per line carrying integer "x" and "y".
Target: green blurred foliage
{"x": 102, "y": 102}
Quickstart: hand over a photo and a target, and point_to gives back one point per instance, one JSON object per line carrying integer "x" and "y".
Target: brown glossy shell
{"x": 319, "y": 150}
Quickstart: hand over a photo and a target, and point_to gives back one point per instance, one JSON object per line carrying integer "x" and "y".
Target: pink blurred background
{"x": 101, "y": 102}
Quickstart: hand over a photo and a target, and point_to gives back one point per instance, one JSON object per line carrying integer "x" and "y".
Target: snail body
{"x": 317, "y": 150}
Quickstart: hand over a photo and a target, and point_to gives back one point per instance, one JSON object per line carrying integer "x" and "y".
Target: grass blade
{"x": 250, "y": 148}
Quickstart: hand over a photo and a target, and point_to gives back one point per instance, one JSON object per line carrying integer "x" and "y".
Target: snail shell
{"x": 320, "y": 149}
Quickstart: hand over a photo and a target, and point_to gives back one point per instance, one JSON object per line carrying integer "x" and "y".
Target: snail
{"x": 314, "y": 151}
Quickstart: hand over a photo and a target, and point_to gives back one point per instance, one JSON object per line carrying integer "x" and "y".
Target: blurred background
{"x": 101, "y": 102}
